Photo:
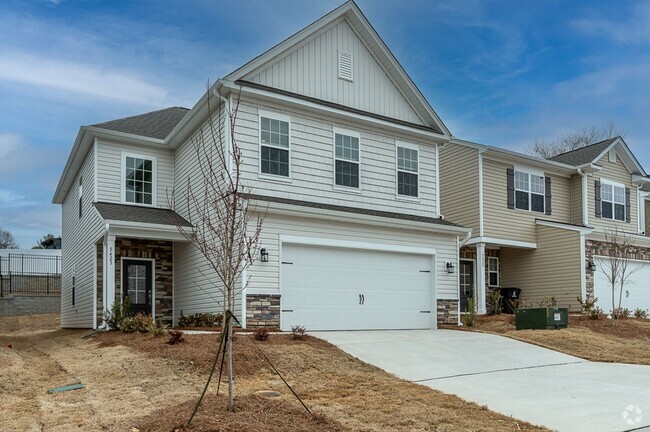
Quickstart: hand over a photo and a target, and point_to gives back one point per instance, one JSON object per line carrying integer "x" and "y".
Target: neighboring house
{"x": 540, "y": 224}
{"x": 341, "y": 151}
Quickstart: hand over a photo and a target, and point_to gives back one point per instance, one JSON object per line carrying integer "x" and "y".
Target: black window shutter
{"x": 547, "y": 197}
{"x": 511, "y": 188}
{"x": 628, "y": 206}
{"x": 598, "y": 207}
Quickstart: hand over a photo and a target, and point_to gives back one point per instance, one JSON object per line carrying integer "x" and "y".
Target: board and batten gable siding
{"x": 459, "y": 183}
{"x": 512, "y": 224}
{"x": 312, "y": 164}
{"x": 576, "y": 199}
{"x": 110, "y": 170}
{"x": 551, "y": 270}
{"x": 78, "y": 249}
{"x": 618, "y": 173}
{"x": 312, "y": 70}
{"x": 265, "y": 277}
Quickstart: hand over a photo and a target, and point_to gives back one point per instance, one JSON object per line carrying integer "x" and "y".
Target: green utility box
{"x": 541, "y": 318}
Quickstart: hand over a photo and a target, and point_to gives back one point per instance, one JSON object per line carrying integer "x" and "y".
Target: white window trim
{"x": 530, "y": 173}
{"x": 613, "y": 185}
{"x": 397, "y": 170}
{"x": 274, "y": 116}
{"x": 492, "y": 271}
{"x": 154, "y": 178}
{"x": 354, "y": 134}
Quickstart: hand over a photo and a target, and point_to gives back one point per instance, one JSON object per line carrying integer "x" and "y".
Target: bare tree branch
{"x": 574, "y": 140}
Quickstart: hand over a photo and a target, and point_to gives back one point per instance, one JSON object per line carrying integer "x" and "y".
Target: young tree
{"x": 574, "y": 140}
{"x": 7, "y": 240}
{"x": 225, "y": 229}
{"x": 617, "y": 267}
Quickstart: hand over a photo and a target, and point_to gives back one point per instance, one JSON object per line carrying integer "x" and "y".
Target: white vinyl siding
{"x": 110, "y": 174}
{"x": 78, "y": 251}
{"x": 313, "y": 164}
{"x": 313, "y": 70}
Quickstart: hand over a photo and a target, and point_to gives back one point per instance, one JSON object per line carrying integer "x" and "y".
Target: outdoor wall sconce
{"x": 591, "y": 266}
{"x": 264, "y": 255}
{"x": 450, "y": 267}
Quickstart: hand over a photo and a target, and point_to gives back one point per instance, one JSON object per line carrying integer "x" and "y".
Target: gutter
{"x": 104, "y": 325}
{"x": 585, "y": 201}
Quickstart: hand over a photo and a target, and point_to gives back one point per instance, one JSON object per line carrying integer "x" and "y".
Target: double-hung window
{"x": 612, "y": 201}
{"x": 529, "y": 191}
{"x": 274, "y": 145}
{"x": 493, "y": 271}
{"x": 407, "y": 170}
{"x": 139, "y": 179}
{"x": 346, "y": 159}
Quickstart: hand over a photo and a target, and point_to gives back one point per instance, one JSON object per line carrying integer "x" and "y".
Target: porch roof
{"x": 140, "y": 214}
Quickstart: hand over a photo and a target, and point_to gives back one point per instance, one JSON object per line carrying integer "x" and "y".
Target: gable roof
{"x": 350, "y": 12}
{"x": 154, "y": 124}
{"x": 594, "y": 152}
{"x": 585, "y": 154}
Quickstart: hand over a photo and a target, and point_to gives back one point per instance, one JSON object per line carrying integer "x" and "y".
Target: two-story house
{"x": 541, "y": 225}
{"x": 341, "y": 151}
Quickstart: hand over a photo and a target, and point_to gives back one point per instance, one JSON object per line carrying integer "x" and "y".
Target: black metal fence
{"x": 30, "y": 274}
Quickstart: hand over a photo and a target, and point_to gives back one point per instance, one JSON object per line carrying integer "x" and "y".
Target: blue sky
{"x": 498, "y": 72}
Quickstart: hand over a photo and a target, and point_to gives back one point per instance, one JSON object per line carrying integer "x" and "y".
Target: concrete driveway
{"x": 517, "y": 379}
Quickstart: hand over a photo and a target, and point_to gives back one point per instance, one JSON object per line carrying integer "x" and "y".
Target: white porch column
{"x": 480, "y": 278}
{"x": 109, "y": 272}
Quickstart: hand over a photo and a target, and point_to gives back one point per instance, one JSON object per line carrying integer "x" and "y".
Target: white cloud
{"x": 84, "y": 80}
{"x": 633, "y": 30}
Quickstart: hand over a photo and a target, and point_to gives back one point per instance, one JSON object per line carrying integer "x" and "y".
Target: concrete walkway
{"x": 517, "y": 379}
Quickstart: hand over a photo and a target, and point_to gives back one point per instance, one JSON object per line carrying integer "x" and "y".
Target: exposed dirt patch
{"x": 596, "y": 340}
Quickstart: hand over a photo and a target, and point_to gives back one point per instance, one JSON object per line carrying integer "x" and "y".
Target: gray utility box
{"x": 541, "y": 318}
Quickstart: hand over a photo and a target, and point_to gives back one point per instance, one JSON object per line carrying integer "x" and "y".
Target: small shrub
{"x": 595, "y": 313}
{"x": 118, "y": 312}
{"x": 469, "y": 316}
{"x": 586, "y": 305}
{"x": 297, "y": 332}
{"x": 261, "y": 334}
{"x": 640, "y": 313}
{"x": 201, "y": 320}
{"x": 140, "y": 323}
{"x": 621, "y": 313}
{"x": 175, "y": 337}
{"x": 157, "y": 328}
{"x": 494, "y": 302}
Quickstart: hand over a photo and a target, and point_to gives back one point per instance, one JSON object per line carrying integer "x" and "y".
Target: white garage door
{"x": 326, "y": 288}
{"x": 636, "y": 293}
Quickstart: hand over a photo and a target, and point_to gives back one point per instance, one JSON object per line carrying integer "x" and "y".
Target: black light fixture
{"x": 591, "y": 266}
{"x": 264, "y": 255}
{"x": 450, "y": 267}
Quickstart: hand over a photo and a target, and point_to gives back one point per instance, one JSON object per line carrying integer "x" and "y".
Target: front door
{"x": 466, "y": 283}
{"x": 136, "y": 284}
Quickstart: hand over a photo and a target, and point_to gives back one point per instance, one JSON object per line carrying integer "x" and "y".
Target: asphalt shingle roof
{"x": 583, "y": 155}
{"x": 134, "y": 213}
{"x": 356, "y": 210}
{"x": 155, "y": 124}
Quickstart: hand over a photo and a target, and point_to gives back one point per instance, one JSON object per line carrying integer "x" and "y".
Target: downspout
{"x": 480, "y": 192}
{"x": 438, "y": 182}
{"x": 585, "y": 201}
{"x": 226, "y": 126}
{"x": 104, "y": 324}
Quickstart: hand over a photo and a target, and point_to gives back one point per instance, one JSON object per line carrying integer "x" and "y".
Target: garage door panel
{"x": 636, "y": 292}
{"x": 321, "y": 288}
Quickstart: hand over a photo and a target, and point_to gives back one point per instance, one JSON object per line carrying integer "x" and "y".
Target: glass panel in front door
{"x": 137, "y": 283}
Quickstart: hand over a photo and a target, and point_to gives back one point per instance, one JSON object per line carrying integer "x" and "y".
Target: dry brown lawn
{"x": 140, "y": 381}
{"x": 596, "y": 340}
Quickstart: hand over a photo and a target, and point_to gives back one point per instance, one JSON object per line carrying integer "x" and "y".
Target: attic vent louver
{"x": 345, "y": 65}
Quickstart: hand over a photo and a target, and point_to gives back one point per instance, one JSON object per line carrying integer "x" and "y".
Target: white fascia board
{"x": 302, "y": 211}
{"x": 145, "y": 230}
{"x": 502, "y": 242}
{"x": 328, "y": 242}
{"x": 581, "y": 230}
{"x": 639, "y": 179}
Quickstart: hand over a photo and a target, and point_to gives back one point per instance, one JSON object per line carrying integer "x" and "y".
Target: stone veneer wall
{"x": 597, "y": 248}
{"x": 448, "y": 312}
{"x": 262, "y": 310}
{"x": 163, "y": 254}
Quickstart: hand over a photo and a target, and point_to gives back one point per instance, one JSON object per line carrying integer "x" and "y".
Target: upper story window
{"x": 139, "y": 179}
{"x": 407, "y": 170}
{"x": 346, "y": 159}
{"x": 274, "y": 142}
{"x": 612, "y": 201}
{"x": 529, "y": 191}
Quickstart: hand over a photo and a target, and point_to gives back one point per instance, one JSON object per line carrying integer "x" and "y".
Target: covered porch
{"x": 135, "y": 259}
